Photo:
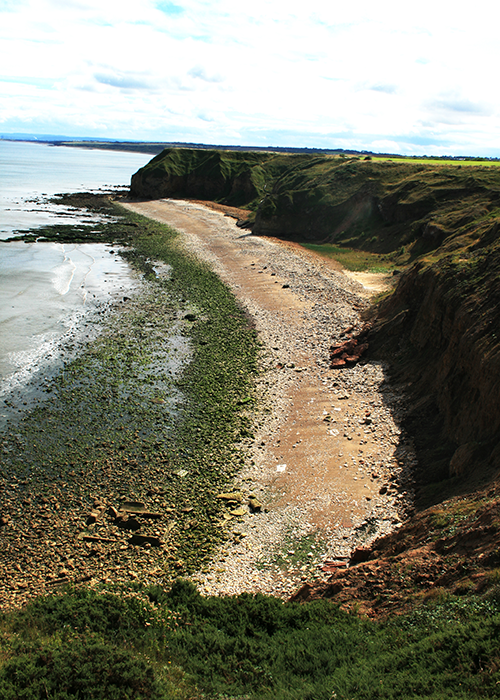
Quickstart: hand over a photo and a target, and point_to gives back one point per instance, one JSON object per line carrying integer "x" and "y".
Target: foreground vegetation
{"x": 150, "y": 643}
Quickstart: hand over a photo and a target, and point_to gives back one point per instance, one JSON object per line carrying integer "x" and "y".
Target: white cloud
{"x": 217, "y": 70}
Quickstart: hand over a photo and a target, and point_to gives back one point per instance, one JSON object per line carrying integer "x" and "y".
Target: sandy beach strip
{"x": 329, "y": 462}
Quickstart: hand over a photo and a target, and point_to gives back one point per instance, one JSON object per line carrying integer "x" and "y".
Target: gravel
{"x": 278, "y": 549}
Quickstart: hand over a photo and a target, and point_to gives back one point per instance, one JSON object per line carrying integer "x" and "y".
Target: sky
{"x": 386, "y": 76}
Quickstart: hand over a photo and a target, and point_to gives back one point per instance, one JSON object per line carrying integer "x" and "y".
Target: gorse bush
{"x": 84, "y": 611}
{"x": 78, "y": 669}
{"x": 148, "y": 642}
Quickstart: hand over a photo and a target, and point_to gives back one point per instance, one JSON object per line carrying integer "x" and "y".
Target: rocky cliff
{"x": 441, "y": 329}
{"x": 440, "y": 223}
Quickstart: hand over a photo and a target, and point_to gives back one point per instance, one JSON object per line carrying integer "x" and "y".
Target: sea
{"x": 48, "y": 291}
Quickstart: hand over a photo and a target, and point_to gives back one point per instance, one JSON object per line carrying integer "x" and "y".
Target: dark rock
{"x": 128, "y": 524}
{"x": 360, "y": 554}
{"x": 255, "y": 505}
{"x": 93, "y": 517}
{"x": 145, "y": 539}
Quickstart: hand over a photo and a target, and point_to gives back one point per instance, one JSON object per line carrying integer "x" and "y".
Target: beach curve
{"x": 328, "y": 462}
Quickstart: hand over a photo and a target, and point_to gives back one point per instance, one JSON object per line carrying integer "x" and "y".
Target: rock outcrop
{"x": 441, "y": 331}
{"x": 450, "y": 547}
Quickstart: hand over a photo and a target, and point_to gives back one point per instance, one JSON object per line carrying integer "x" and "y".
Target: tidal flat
{"x": 114, "y": 473}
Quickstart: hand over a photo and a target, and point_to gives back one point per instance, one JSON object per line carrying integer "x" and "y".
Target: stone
{"x": 346, "y": 353}
{"x": 234, "y": 496}
{"x": 133, "y": 506}
{"x": 4, "y": 519}
{"x": 329, "y": 567}
{"x": 92, "y": 517}
{"x": 150, "y": 515}
{"x": 239, "y": 512}
{"x": 113, "y": 512}
{"x": 337, "y": 362}
{"x": 128, "y": 524}
{"x": 255, "y": 505}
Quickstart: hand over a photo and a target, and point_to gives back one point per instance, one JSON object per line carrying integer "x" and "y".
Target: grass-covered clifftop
{"x": 375, "y": 205}
{"x": 232, "y": 177}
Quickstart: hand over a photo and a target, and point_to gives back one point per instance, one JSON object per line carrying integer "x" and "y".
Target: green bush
{"x": 80, "y": 669}
{"x": 85, "y": 610}
{"x": 175, "y": 643}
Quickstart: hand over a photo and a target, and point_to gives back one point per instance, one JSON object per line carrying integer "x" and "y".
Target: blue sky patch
{"x": 169, "y": 8}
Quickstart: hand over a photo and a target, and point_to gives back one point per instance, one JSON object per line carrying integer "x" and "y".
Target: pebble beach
{"x": 328, "y": 461}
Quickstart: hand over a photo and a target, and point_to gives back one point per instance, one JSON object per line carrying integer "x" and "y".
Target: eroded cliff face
{"x": 440, "y": 330}
{"x": 452, "y": 547}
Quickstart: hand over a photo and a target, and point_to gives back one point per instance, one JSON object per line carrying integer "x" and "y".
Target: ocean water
{"x": 50, "y": 291}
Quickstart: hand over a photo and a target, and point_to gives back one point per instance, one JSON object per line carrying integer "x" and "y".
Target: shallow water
{"x": 49, "y": 290}
{"x": 30, "y": 170}
{"x": 46, "y": 290}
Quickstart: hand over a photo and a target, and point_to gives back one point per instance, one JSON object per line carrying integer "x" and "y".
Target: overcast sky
{"x": 415, "y": 78}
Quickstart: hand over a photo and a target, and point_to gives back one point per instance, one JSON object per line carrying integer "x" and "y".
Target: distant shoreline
{"x": 155, "y": 147}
